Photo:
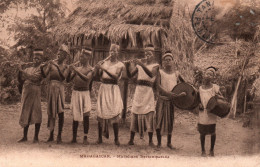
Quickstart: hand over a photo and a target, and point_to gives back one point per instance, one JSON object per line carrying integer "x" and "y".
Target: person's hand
{"x": 72, "y": 68}
{"x": 200, "y": 107}
{"x": 182, "y": 94}
{"x": 137, "y": 61}
{"x": 99, "y": 64}
{"x": 53, "y": 63}
{"x": 173, "y": 95}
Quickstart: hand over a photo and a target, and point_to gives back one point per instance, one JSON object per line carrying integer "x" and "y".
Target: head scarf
{"x": 86, "y": 52}
{"x": 167, "y": 53}
{"x": 38, "y": 51}
{"x": 115, "y": 46}
{"x": 149, "y": 48}
{"x": 212, "y": 69}
{"x": 64, "y": 48}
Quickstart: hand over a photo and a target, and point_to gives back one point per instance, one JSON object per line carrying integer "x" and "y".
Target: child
{"x": 207, "y": 121}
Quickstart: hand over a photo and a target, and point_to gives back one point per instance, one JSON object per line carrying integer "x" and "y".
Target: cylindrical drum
{"x": 218, "y": 106}
{"x": 188, "y": 102}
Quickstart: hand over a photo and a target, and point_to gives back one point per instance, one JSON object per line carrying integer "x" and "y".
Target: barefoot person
{"x": 57, "y": 72}
{"x": 80, "y": 99}
{"x": 166, "y": 80}
{"x": 31, "y": 96}
{"x": 143, "y": 108}
{"x": 207, "y": 121}
{"x": 109, "y": 102}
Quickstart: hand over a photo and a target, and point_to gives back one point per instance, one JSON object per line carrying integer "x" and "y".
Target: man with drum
{"x": 57, "y": 71}
{"x": 167, "y": 79}
{"x": 143, "y": 108}
{"x": 80, "y": 98}
{"x": 207, "y": 121}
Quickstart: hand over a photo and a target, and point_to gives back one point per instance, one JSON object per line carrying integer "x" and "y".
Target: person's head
{"x": 167, "y": 59}
{"x": 85, "y": 56}
{"x": 149, "y": 53}
{"x": 37, "y": 56}
{"x": 209, "y": 74}
{"x": 114, "y": 51}
{"x": 62, "y": 53}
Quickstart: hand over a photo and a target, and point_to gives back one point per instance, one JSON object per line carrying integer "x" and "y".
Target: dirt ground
{"x": 233, "y": 143}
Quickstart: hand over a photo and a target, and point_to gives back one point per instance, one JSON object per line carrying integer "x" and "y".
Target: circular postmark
{"x": 203, "y": 20}
{"x": 216, "y": 23}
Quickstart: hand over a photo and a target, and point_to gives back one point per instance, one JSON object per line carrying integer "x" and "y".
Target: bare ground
{"x": 233, "y": 140}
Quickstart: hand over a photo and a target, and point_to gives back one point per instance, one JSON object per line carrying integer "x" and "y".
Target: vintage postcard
{"x": 130, "y": 83}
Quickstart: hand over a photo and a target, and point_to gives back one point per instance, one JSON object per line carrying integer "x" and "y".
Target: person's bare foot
{"x": 24, "y": 139}
{"x": 211, "y": 153}
{"x": 73, "y": 141}
{"x": 117, "y": 143}
{"x": 59, "y": 141}
{"x": 131, "y": 143}
{"x": 170, "y": 146}
{"x": 151, "y": 144}
{"x": 35, "y": 140}
{"x": 203, "y": 154}
{"x": 85, "y": 140}
{"x": 50, "y": 139}
{"x": 99, "y": 141}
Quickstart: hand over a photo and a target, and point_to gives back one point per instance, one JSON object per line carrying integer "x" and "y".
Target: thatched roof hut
{"x": 131, "y": 23}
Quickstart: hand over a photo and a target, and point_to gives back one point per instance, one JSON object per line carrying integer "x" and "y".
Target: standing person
{"x": 166, "y": 80}
{"x": 80, "y": 99}
{"x": 57, "y": 72}
{"x": 143, "y": 102}
{"x": 109, "y": 102}
{"x": 207, "y": 121}
{"x": 31, "y": 96}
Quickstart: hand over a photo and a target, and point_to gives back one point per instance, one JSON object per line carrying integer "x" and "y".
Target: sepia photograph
{"x": 130, "y": 83}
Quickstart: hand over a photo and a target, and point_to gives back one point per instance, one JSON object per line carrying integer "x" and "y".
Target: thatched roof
{"x": 116, "y": 19}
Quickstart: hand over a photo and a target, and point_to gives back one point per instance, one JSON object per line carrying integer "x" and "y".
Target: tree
{"x": 36, "y": 30}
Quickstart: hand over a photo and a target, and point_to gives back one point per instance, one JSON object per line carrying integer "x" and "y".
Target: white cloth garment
{"x": 143, "y": 101}
{"x": 168, "y": 81}
{"x": 80, "y": 104}
{"x": 205, "y": 117}
{"x": 109, "y": 102}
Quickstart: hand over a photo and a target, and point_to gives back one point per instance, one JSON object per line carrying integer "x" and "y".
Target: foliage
{"x": 240, "y": 22}
{"x": 36, "y": 30}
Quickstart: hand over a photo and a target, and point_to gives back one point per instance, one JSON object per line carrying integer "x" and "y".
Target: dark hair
{"x": 88, "y": 49}
{"x": 214, "y": 68}
{"x": 37, "y": 49}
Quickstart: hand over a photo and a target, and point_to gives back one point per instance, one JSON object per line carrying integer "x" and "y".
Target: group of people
{"x": 146, "y": 115}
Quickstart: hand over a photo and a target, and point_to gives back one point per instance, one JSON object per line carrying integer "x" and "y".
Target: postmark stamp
{"x": 203, "y": 20}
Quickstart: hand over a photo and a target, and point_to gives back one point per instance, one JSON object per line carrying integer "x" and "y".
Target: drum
{"x": 218, "y": 106}
{"x": 188, "y": 102}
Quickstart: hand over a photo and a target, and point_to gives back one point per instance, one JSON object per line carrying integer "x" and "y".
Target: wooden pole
{"x": 245, "y": 96}
{"x": 233, "y": 108}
